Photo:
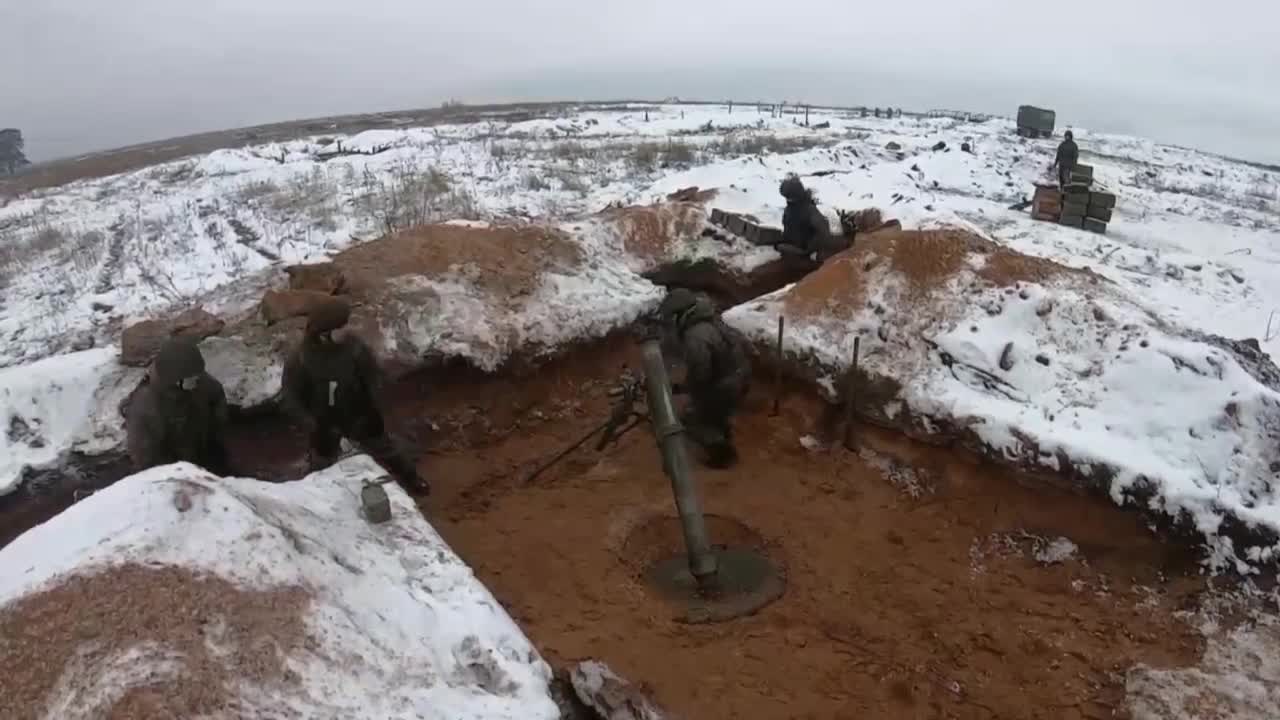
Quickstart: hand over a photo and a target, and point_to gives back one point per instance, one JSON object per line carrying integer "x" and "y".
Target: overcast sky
{"x": 90, "y": 74}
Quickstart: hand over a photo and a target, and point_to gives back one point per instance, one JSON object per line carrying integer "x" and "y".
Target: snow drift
{"x": 1041, "y": 365}
{"x": 62, "y": 404}
{"x": 175, "y": 593}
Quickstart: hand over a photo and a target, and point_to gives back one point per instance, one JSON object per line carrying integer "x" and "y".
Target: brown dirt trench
{"x": 900, "y": 604}
{"x": 911, "y": 587}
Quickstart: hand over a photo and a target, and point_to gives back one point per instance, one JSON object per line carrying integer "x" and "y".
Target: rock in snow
{"x": 175, "y": 593}
{"x": 611, "y": 696}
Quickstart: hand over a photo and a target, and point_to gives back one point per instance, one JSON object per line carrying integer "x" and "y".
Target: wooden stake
{"x": 777, "y": 390}
{"x": 848, "y": 401}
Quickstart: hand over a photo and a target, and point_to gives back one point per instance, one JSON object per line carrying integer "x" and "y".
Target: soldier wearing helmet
{"x": 180, "y": 415}
{"x": 332, "y": 385}
{"x": 717, "y": 372}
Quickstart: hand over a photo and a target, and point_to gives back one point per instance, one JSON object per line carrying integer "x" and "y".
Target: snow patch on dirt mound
{"x": 486, "y": 294}
{"x": 173, "y": 593}
{"x": 58, "y": 405}
{"x": 1238, "y": 677}
{"x": 483, "y": 293}
{"x": 648, "y": 236}
{"x": 1039, "y": 364}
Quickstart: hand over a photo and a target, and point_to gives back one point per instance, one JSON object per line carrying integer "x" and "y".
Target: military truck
{"x": 1035, "y": 122}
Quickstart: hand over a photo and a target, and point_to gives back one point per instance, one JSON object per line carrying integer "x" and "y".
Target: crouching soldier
{"x": 806, "y": 232}
{"x": 180, "y": 415}
{"x": 717, "y": 372}
{"x": 331, "y": 387}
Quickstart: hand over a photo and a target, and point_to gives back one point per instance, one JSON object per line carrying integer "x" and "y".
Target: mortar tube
{"x": 675, "y": 462}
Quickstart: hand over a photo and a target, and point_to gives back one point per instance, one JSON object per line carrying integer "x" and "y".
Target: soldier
{"x": 331, "y": 386}
{"x": 717, "y": 372}
{"x": 806, "y": 232}
{"x": 180, "y": 415}
{"x": 1068, "y": 155}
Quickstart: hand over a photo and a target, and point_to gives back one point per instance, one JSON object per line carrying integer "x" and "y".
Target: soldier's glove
{"x": 792, "y": 250}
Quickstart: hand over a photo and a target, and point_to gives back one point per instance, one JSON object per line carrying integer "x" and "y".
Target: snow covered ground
{"x": 101, "y": 252}
{"x": 1195, "y": 240}
{"x": 61, "y": 404}
{"x": 395, "y": 624}
{"x": 1194, "y": 234}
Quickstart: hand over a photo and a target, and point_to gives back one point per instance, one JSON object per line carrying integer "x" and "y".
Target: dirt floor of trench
{"x": 913, "y": 590}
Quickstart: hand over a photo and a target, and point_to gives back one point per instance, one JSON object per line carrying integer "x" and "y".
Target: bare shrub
{"x": 172, "y": 174}
{"x": 534, "y": 182}
{"x": 10, "y": 259}
{"x": 645, "y": 155}
{"x": 572, "y": 182}
{"x": 154, "y": 249}
{"x": 504, "y": 154}
{"x": 255, "y": 190}
{"x": 552, "y": 206}
{"x": 46, "y": 239}
{"x": 312, "y": 194}
{"x": 87, "y": 252}
{"x": 679, "y": 153}
{"x": 412, "y": 196}
{"x": 1264, "y": 190}
{"x": 572, "y": 151}
{"x": 760, "y": 144}
{"x": 105, "y": 192}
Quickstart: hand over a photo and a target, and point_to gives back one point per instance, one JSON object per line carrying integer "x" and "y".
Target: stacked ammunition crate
{"x": 1083, "y": 207}
{"x": 1098, "y": 214}
{"x": 745, "y": 228}
{"x": 1046, "y": 204}
{"x": 1076, "y": 205}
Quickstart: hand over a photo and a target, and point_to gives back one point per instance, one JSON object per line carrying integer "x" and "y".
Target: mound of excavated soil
{"x": 927, "y": 260}
{"x": 1036, "y": 364}
{"x": 68, "y": 650}
{"x": 652, "y": 232}
{"x": 505, "y": 260}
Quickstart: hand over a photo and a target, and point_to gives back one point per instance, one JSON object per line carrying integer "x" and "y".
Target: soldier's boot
{"x": 722, "y": 453}
{"x": 326, "y": 446}
{"x": 721, "y": 456}
{"x": 383, "y": 450}
{"x": 716, "y": 446}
